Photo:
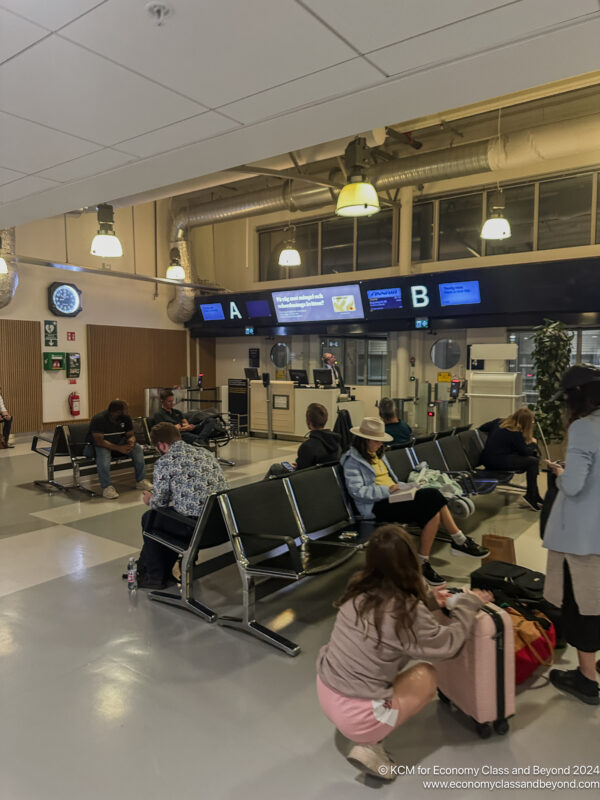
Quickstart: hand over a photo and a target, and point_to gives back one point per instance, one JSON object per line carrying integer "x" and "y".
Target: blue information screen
{"x": 211, "y": 311}
{"x": 385, "y": 299}
{"x": 258, "y": 308}
{"x": 460, "y": 294}
{"x": 337, "y": 303}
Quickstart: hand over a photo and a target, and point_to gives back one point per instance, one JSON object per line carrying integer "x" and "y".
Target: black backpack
{"x": 513, "y": 580}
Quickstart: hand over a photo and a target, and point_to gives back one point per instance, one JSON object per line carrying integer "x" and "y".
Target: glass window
{"x": 374, "y": 240}
{"x": 524, "y": 362}
{"x": 422, "y": 232}
{"x": 337, "y": 245}
{"x": 565, "y": 212}
{"x": 519, "y": 212}
{"x": 460, "y": 226}
{"x": 270, "y": 244}
{"x": 590, "y": 347}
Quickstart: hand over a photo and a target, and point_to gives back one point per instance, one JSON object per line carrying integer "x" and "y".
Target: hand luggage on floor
{"x": 534, "y": 641}
{"x": 512, "y": 579}
{"x": 480, "y": 680}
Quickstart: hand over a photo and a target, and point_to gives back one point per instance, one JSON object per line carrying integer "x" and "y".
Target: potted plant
{"x": 551, "y": 358}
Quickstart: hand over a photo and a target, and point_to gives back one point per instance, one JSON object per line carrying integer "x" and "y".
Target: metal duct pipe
{"x": 10, "y": 281}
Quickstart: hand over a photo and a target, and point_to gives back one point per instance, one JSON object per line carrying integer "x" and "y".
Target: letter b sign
{"x": 419, "y": 296}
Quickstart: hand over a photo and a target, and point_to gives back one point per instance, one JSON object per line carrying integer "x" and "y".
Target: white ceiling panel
{"x": 178, "y": 135}
{"x": 8, "y": 175}
{"x": 16, "y": 34}
{"x": 59, "y": 84}
{"x": 217, "y": 51}
{"x": 378, "y": 23}
{"x": 83, "y": 167}
{"x": 52, "y": 14}
{"x": 28, "y": 147}
{"x": 343, "y": 78}
{"x": 23, "y": 187}
{"x": 503, "y": 25}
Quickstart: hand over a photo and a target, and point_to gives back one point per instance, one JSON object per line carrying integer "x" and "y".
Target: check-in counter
{"x": 289, "y": 404}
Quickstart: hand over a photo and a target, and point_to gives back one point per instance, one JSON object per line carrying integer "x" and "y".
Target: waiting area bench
{"x": 64, "y": 450}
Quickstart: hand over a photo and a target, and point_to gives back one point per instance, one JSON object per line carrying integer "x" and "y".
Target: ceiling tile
{"x": 59, "y": 84}
{"x": 215, "y": 52}
{"x": 178, "y": 135}
{"x": 341, "y": 79}
{"x": 377, "y": 23}
{"x": 16, "y": 34}
{"x": 28, "y": 147}
{"x": 21, "y": 188}
{"x": 52, "y": 15}
{"x": 8, "y": 175}
{"x": 93, "y": 164}
{"x": 477, "y": 34}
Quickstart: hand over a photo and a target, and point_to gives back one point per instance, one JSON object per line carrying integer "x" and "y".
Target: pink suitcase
{"x": 480, "y": 680}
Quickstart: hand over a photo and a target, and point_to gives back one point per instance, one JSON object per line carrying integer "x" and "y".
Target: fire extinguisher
{"x": 74, "y": 405}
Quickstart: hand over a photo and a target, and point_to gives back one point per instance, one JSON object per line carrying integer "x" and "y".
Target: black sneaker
{"x": 469, "y": 548}
{"x": 431, "y": 576}
{"x": 573, "y": 682}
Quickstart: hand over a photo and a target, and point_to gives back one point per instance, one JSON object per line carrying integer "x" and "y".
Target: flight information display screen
{"x": 460, "y": 294}
{"x": 385, "y": 299}
{"x": 326, "y": 303}
{"x": 258, "y": 308}
{"x": 211, "y": 311}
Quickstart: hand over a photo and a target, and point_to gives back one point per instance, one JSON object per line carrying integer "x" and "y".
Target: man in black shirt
{"x": 111, "y": 432}
{"x": 189, "y": 432}
{"x": 322, "y": 446}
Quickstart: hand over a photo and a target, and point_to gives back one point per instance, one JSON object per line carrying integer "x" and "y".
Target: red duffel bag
{"x": 535, "y": 638}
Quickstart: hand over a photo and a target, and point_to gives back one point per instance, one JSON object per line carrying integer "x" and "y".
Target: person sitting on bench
{"x": 370, "y": 481}
{"x": 189, "y": 432}
{"x": 184, "y": 477}
{"x": 399, "y": 430}
{"x": 364, "y": 682}
{"x": 7, "y": 422}
{"x": 111, "y": 433}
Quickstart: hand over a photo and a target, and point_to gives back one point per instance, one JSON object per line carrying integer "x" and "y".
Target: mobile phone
{"x": 287, "y": 466}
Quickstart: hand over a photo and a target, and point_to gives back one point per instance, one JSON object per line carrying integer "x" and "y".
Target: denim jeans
{"x": 103, "y": 456}
{"x": 6, "y": 428}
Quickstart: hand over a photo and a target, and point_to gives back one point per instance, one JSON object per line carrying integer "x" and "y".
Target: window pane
{"x": 590, "y": 347}
{"x": 524, "y": 362}
{"x": 270, "y": 244}
{"x": 374, "y": 237}
{"x": 460, "y": 226}
{"x": 565, "y": 209}
{"x": 422, "y": 232}
{"x": 337, "y": 245}
{"x": 519, "y": 212}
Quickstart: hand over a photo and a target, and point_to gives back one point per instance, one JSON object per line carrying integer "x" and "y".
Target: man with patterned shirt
{"x": 184, "y": 477}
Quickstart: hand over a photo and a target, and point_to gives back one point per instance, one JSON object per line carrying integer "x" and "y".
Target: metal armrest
{"x": 287, "y": 540}
{"x": 46, "y": 450}
{"x": 188, "y": 521}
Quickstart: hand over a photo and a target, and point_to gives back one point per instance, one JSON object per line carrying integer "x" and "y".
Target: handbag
{"x": 534, "y": 642}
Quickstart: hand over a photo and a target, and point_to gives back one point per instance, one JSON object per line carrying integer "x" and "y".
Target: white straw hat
{"x": 372, "y": 428}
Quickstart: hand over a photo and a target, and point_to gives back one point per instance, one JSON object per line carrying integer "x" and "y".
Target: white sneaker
{"x": 144, "y": 485}
{"x": 110, "y": 493}
{"x": 372, "y": 759}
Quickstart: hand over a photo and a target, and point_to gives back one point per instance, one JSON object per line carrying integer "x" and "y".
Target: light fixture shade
{"x": 3, "y": 267}
{"x": 289, "y": 256}
{"x": 175, "y": 272}
{"x": 496, "y": 227}
{"x": 357, "y": 199}
{"x": 106, "y": 245}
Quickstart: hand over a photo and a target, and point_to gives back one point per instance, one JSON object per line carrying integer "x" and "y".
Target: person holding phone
{"x": 572, "y": 535}
{"x": 321, "y": 447}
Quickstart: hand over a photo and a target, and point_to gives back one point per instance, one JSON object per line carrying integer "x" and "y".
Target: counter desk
{"x": 289, "y": 404}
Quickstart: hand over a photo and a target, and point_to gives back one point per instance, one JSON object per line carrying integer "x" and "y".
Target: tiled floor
{"x": 104, "y": 694}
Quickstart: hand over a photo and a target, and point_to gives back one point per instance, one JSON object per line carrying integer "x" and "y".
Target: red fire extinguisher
{"x": 74, "y": 404}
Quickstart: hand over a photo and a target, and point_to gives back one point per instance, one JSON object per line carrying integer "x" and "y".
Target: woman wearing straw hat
{"x": 370, "y": 480}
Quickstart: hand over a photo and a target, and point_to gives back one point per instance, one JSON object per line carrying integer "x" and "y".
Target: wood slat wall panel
{"x": 21, "y": 372}
{"x": 206, "y": 354}
{"x": 124, "y": 361}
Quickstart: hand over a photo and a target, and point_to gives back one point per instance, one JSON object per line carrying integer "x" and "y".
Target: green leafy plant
{"x": 551, "y": 358}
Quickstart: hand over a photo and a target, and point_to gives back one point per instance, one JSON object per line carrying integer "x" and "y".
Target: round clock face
{"x": 65, "y": 299}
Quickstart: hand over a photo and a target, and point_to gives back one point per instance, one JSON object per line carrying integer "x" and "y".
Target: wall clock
{"x": 64, "y": 299}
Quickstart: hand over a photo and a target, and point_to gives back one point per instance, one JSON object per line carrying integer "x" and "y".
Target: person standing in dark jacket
{"x": 322, "y": 445}
{"x": 511, "y": 446}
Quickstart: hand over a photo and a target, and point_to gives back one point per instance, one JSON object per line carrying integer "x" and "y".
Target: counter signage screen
{"x": 326, "y": 303}
{"x": 460, "y": 294}
{"x": 258, "y": 308}
{"x": 385, "y": 299}
{"x": 211, "y": 311}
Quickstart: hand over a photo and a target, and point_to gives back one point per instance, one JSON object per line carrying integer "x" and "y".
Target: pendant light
{"x": 289, "y": 256}
{"x": 175, "y": 272}
{"x": 105, "y": 243}
{"x": 3, "y": 264}
{"x": 496, "y": 227}
{"x": 358, "y": 198}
